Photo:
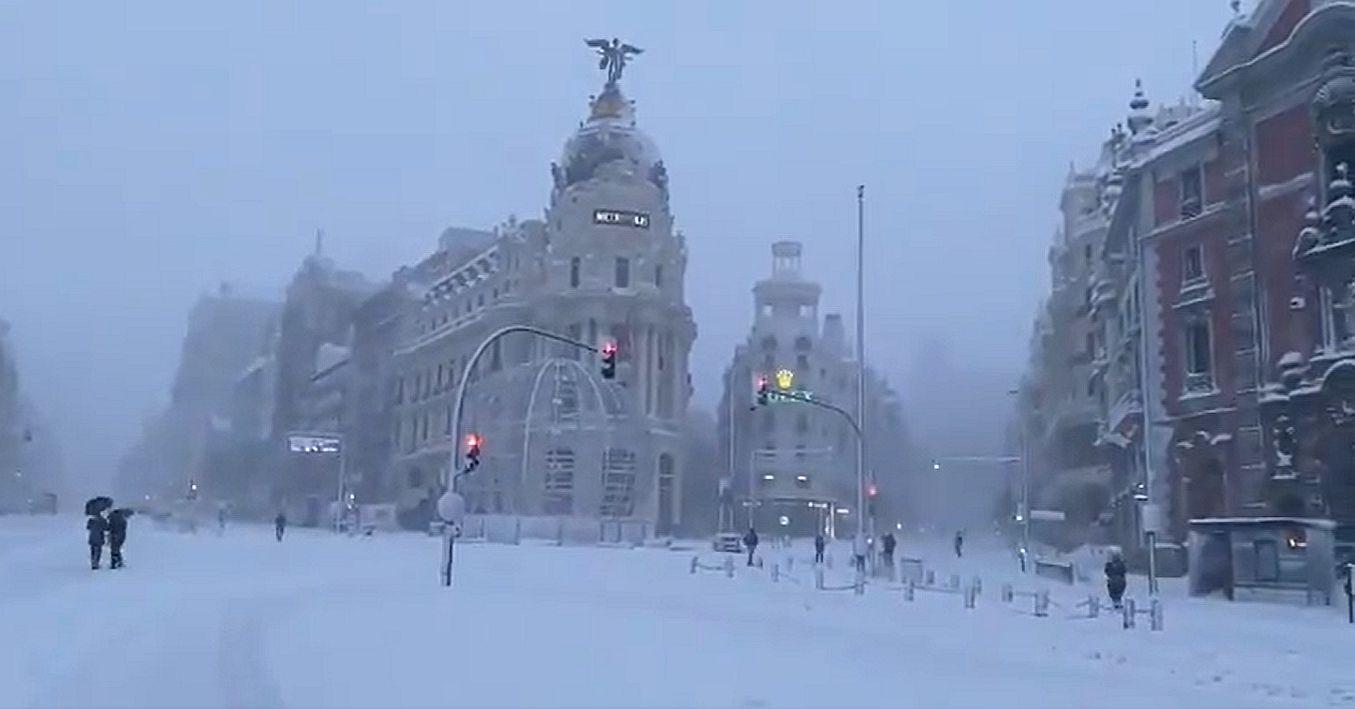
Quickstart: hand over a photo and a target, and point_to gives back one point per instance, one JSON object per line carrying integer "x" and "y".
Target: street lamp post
{"x": 860, "y": 366}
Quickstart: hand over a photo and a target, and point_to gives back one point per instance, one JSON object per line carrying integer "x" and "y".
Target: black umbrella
{"x": 124, "y": 511}
{"x": 95, "y": 505}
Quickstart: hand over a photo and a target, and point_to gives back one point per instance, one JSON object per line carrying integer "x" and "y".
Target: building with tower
{"x": 605, "y": 263}
{"x": 792, "y": 466}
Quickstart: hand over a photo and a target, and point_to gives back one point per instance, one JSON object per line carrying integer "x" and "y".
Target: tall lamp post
{"x": 860, "y": 366}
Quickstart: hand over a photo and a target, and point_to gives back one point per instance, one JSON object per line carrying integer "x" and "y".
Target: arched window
{"x": 558, "y": 492}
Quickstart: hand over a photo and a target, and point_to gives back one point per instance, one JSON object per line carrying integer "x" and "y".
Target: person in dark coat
{"x": 750, "y": 542}
{"x": 1115, "y": 581}
{"x": 280, "y": 524}
{"x": 98, "y": 528}
{"x": 959, "y": 543}
{"x": 819, "y": 544}
{"x": 889, "y": 544}
{"x": 117, "y": 536}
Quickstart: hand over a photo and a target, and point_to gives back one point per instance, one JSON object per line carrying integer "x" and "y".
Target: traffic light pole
{"x": 860, "y": 479}
{"x": 454, "y": 463}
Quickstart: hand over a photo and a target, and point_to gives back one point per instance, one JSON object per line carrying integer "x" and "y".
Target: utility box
{"x": 1264, "y": 558}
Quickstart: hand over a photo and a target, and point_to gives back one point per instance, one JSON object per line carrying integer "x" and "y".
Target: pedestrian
{"x": 859, "y": 553}
{"x": 280, "y": 524}
{"x": 959, "y": 543}
{"x": 221, "y": 518}
{"x": 819, "y": 544}
{"x": 98, "y": 528}
{"x": 750, "y": 543}
{"x": 1115, "y": 581}
{"x": 889, "y": 543}
{"x": 117, "y": 536}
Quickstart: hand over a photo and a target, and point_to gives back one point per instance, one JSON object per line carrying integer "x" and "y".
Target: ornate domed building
{"x": 605, "y": 263}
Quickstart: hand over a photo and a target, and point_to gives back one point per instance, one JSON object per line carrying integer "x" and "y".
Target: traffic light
{"x": 764, "y": 389}
{"x": 872, "y": 490}
{"x": 473, "y": 442}
{"x": 609, "y": 359}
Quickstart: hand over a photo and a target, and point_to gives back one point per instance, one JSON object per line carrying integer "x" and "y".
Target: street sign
{"x": 1046, "y": 515}
{"x": 313, "y": 443}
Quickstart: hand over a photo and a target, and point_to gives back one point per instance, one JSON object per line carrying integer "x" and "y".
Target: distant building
{"x": 226, "y": 331}
{"x": 791, "y": 467}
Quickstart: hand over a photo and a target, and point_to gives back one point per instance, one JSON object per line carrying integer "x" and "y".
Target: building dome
{"x": 609, "y": 137}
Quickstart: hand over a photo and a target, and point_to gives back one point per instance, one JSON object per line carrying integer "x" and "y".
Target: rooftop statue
{"x": 614, "y": 56}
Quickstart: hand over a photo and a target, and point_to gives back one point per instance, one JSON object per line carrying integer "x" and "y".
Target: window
{"x": 574, "y": 272}
{"x": 1087, "y": 254}
{"x": 441, "y": 374}
{"x": 623, "y": 273}
{"x": 769, "y": 344}
{"x": 418, "y": 387}
{"x": 495, "y": 356}
{"x": 1192, "y": 193}
{"x": 1091, "y": 345}
{"x": 480, "y": 301}
{"x": 802, "y": 363}
{"x": 1193, "y": 268}
{"x": 618, "y": 482}
{"x": 447, "y": 421}
{"x": 559, "y": 483}
{"x": 802, "y": 424}
{"x": 1199, "y": 360}
{"x": 806, "y": 311}
{"x": 766, "y": 310}
{"x": 399, "y": 392}
{"x": 415, "y": 477}
{"x": 658, "y": 276}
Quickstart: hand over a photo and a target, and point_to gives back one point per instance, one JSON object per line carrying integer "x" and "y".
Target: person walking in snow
{"x": 859, "y": 553}
{"x": 959, "y": 543}
{"x": 819, "y": 544}
{"x": 117, "y": 536}
{"x": 97, "y": 527}
{"x": 889, "y": 544}
{"x": 1115, "y": 578}
{"x": 280, "y": 524}
{"x": 750, "y": 543}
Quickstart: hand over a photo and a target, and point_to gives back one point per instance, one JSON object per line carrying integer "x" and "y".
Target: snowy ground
{"x": 240, "y": 620}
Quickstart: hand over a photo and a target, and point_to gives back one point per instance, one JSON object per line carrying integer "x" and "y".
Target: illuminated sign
{"x": 312, "y": 443}
{"x": 784, "y": 379}
{"x": 621, "y": 217}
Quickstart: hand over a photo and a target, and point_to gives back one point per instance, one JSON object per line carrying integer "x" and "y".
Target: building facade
{"x": 792, "y": 466}
{"x": 604, "y": 264}
{"x": 1214, "y": 310}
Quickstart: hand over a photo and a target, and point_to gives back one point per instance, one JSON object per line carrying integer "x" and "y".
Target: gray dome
{"x": 609, "y": 136}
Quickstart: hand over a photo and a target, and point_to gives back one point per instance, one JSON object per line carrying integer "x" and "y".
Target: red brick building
{"x": 1248, "y": 323}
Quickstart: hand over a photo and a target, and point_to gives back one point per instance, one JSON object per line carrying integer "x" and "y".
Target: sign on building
{"x": 313, "y": 443}
{"x": 621, "y": 217}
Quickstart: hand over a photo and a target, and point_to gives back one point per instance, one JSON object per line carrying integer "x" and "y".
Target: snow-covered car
{"x": 728, "y": 541}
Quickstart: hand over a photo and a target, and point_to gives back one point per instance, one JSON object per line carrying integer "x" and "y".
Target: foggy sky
{"x": 154, "y": 149}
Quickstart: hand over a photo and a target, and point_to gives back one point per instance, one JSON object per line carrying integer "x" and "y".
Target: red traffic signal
{"x": 872, "y": 490}
{"x": 473, "y": 443}
{"x": 764, "y": 388}
{"x": 608, "y": 352}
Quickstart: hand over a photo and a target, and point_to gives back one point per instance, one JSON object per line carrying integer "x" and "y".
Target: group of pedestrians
{"x": 110, "y": 528}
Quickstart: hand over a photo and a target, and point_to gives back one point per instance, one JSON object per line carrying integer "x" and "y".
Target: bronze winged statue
{"x": 614, "y": 55}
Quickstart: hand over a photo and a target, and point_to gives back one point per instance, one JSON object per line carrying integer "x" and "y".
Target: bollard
{"x": 1042, "y": 604}
{"x": 930, "y": 577}
{"x": 970, "y": 594}
{"x": 818, "y": 577}
{"x": 694, "y": 563}
{"x": 954, "y": 582}
{"x": 909, "y": 591}
{"x": 1006, "y": 593}
{"x": 729, "y": 566}
{"x": 1155, "y": 614}
{"x": 790, "y": 563}
{"x": 978, "y": 585}
{"x": 1093, "y": 607}
{"x": 1128, "y": 613}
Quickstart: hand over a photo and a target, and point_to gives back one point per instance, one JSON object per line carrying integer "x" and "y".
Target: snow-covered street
{"x": 320, "y": 620}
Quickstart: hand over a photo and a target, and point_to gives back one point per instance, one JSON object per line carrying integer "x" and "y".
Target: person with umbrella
{"x": 97, "y": 527}
{"x": 117, "y": 535}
